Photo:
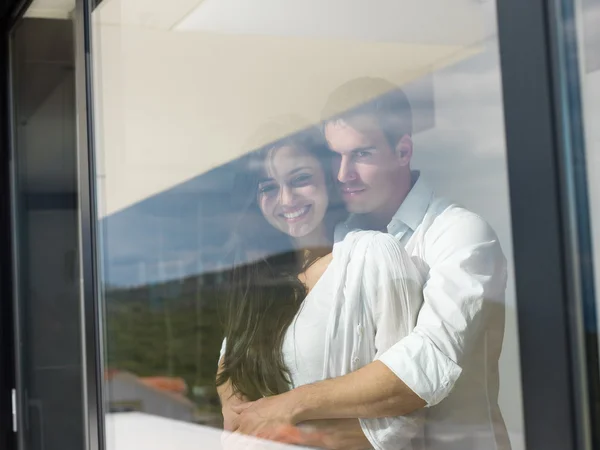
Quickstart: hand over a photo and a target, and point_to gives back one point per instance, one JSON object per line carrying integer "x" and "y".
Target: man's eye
{"x": 363, "y": 154}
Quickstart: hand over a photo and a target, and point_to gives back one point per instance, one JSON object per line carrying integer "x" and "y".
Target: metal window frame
{"x": 15, "y": 316}
{"x": 547, "y": 193}
{"x": 92, "y": 307}
{"x": 91, "y": 321}
{"x": 7, "y": 354}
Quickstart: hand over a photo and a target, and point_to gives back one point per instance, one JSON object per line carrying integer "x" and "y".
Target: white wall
{"x": 175, "y": 104}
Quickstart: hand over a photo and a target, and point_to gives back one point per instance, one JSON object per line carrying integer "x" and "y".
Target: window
{"x": 194, "y": 104}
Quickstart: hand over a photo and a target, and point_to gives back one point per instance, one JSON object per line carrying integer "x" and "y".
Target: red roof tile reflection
{"x": 166, "y": 384}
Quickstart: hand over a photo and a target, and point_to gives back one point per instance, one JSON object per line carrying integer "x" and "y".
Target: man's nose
{"x": 346, "y": 171}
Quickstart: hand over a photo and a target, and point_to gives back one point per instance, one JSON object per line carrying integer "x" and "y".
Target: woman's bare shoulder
{"x": 316, "y": 271}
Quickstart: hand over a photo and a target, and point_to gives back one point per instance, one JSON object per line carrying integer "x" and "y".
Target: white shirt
{"x": 376, "y": 294}
{"x": 303, "y": 344}
{"x": 450, "y": 359}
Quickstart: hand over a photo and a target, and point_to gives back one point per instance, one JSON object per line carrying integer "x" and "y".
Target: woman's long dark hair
{"x": 265, "y": 294}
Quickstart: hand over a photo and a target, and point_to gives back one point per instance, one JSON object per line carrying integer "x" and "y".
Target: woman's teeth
{"x": 296, "y": 214}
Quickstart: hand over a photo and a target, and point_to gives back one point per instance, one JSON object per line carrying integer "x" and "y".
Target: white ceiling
{"x": 188, "y": 75}
{"x": 456, "y": 22}
{"x": 50, "y": 9}
{"x": 441, "y": 22}
{"x": 148, "y": 14}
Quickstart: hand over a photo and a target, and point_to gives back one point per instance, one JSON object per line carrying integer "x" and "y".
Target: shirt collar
{"x": 413, "y": 208}
{"x": 410, "y": 214}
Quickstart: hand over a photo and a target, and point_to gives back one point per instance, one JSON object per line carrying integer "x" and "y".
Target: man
{"x": 449, "y": 363}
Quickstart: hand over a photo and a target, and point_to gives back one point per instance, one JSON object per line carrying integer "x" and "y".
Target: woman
{"x": 305, "y": 309}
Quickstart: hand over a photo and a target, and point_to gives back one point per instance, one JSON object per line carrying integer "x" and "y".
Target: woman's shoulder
{"x": 370, "y": 240}
{"x": 368, "y": 245}
{"x": 378, "y": 254}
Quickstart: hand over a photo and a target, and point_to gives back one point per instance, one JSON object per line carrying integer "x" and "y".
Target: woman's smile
{"x": 296, "y": 214}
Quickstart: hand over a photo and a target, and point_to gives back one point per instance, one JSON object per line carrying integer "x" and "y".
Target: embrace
{"x": 372, "y": 314}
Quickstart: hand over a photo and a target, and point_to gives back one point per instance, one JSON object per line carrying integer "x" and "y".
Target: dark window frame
{"x": 548, "y": 191}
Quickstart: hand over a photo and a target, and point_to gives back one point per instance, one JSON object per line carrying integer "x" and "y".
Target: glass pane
{"x": 233, "y": 138}
{"x": 46, "y": 229}
{"x": 588, "y": 20}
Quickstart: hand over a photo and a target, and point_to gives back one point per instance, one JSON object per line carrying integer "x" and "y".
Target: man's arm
{"x": 467, "y": 273}
{"x": 370, "y": 392}
{"x": 327, "y": 434}
{"x": 465, "y": 286}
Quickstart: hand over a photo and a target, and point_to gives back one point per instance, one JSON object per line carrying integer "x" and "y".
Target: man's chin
{"x": 355, "y": 208}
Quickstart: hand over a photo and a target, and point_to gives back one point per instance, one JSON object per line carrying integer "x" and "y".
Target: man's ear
{"x": 404, "y": 149}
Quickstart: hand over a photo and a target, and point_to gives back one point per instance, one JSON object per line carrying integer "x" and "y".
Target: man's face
{"x": 366, "y": 167}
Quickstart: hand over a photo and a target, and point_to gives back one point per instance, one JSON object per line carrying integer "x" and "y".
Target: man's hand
{"x": 237, "y": 441}
{"x": 335, "y": 434}
{"x": 264, "y": 416}
{"x": 273, "y": 418}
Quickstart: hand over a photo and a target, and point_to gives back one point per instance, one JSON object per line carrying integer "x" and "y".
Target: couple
{"x": 387, "y": 339}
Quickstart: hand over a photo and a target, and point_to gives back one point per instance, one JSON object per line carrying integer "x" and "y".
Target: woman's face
{"x": 292, "y": 194}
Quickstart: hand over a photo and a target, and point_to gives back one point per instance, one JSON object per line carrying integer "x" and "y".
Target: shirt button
{"x": 355, "y": 360}
{"x": 359, "y": 330}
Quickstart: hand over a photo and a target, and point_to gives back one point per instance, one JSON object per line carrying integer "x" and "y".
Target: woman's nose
{"x": 287, "y": 196}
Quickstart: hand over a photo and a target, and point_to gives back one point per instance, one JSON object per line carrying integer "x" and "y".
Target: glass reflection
{"x": 171, "y": 246}
{"x": 586, "y": 22}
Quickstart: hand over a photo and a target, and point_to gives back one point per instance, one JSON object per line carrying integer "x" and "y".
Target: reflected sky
{"x": 172, "y": 235}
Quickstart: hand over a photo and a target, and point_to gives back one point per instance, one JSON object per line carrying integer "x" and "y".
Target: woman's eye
{"x": 301, "y": 180}
{"x": 267, "y": 189}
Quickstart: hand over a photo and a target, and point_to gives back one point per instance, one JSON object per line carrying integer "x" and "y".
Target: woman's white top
{"x": 303, "y": 344}
{"x": 365, "y": 302}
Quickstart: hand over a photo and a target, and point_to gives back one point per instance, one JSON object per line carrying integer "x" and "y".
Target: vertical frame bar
{"x": 92, "y": 348}
{"x": 563, "y": 40}
{"x": 19, "y": 398}
{"x": 7, "y": 354}
{"x": 546, "y": 239}
{"x": 90, "y": 289}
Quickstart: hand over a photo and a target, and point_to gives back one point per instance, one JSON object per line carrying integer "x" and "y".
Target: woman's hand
{"x": 230, "y": 417}
{"x": 228, "y": 401}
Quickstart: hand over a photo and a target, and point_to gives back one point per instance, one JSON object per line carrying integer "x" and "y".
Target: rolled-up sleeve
{"x": 467, "y": 272}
